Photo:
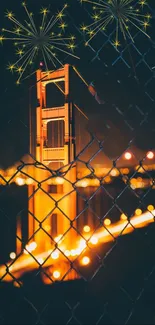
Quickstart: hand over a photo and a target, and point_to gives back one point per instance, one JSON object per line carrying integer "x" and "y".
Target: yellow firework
{"x": 123, "y": 13}
{"x": 33, "y": 42}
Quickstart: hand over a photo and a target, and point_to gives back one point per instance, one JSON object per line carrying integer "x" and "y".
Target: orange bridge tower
{"x": 52, "y": 200}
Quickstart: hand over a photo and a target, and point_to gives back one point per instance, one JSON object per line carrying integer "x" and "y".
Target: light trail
{"x": 25, "y": 263}
{"x": 125, "y": 227}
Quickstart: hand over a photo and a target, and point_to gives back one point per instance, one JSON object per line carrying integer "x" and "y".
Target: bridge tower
{"x": 51, "y": 205}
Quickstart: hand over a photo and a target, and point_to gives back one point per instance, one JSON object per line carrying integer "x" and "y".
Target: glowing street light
{"x": 85, "y": 260}
{"x": 150, "y": 155}
{"x": 73, "y": 252}
{"x": 20, "y": 181}
{"x": 107, "y": 222}
{"x": 128, "y": 155}
{"x": 150, "y": 207}
{"x": 56, "y": 274}
{"x": 138, "y": 212}
{"x": 12, "y": 255}
{"x": 55, "y": 255}
{"x": 86, "y": 228}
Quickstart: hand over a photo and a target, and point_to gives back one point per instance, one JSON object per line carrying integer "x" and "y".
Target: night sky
{"x": 122, "y": 87}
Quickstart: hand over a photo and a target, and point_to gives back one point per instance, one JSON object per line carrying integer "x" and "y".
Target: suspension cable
{"x": 78, "y": 73}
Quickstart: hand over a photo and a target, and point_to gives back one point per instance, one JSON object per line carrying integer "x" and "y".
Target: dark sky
{"x": 121, "y": 82}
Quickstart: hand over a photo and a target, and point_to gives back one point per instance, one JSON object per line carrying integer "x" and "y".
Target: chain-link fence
{"x": 77, "y": 211}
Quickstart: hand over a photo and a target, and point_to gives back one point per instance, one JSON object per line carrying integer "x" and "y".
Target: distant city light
{"x": 20, "y": 181}
{"x": 17, "y": 284}
{"x": 128, "y": 155}
{"x": 86, "y": 228}
{"x": 40, "y": 260}
{"x": 94, "y": 240}
{"x": 107, "y": 179}
{"x": 67, "y": 253}
{"x": 73, "y": 252}
{"x": 56, "y": 274}
{"x": 150, "y": 155}
{"x": 85, "y": 260}
{"x": 114, "y": 172}
{"x": 55, "y": 255}
{"x": 125, "y": 171}
{"x": 12, "y": 255}
{"x": 32, "y": 246}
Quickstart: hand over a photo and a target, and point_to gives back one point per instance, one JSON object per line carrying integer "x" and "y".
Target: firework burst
{"x": 34, "y": 42}
{"x": 124, "y": 14}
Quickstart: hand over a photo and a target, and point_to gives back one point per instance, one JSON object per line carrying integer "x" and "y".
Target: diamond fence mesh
{"x": 77, "y": 239}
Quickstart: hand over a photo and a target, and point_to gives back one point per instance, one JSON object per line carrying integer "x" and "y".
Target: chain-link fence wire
{"x": 117, "y": 286}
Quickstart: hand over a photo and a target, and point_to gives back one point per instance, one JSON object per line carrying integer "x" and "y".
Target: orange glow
{"x": 86, "y": 228}
{"x": 123, "y": 228}
{"x": 128, "y": 155}
{"x": 125, "y": 171}
{"x": 56, "y": 274}
{"x": 150, "y": 155}
{"x": 107, "y": 222}
{"x": 23, "y": 180}
{"x": 107, "y": 179}
{"x": 12, "y": 255}
{"x": 85, "y": 260}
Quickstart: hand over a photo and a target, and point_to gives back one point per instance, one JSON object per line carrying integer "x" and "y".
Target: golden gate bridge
{"x": 52, "y": 174}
